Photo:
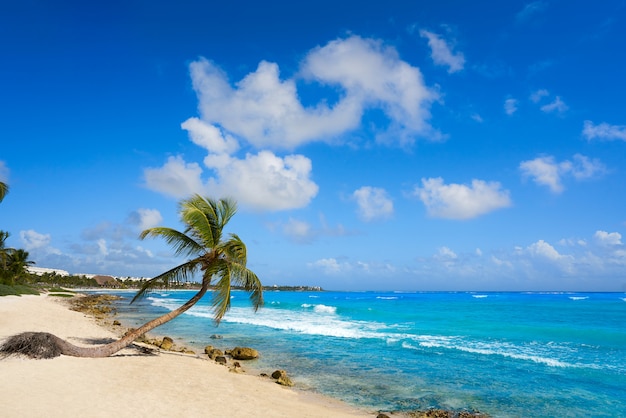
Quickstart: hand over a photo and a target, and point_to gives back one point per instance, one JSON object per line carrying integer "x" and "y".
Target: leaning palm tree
{"x": 221, "y": 262}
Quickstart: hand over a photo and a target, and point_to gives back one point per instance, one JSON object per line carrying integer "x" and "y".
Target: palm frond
{"x": 182, "y": 244}
{"x": 4, "y": 190}
{"x": 235, "y": 249}
{"x": 178, "y": 274}
{"x": 221, "y": 293}
{"x": 246, "y": 278}
{"x": 200, "y": 217}
{"x": 206, "y": 218}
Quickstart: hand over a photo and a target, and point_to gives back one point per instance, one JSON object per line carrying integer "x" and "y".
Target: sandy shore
{"x": 131, "y": 384}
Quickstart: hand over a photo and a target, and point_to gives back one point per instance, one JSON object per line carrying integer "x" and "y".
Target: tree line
{"x": 13, "y": 262}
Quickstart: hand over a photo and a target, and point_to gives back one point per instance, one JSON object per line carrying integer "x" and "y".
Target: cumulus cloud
{"x": 510, "y": 106}
{"x": 476, "y": 117}
{"x": 263, "y": 111}
{"x": 536, "y": 96}
{"x": 557, "y": 106}
{"x": 260, "y": 181}
{"x": 441, "y": 52}
{"x": 608, "y": 239}
{"x": 603, "y": 131}
{"x": 331, "y": 266}
{"x": 209, "y": 137}
{"x": 176, "y": 178}
{"x": 543, "y": 249}
{"x": 446, "y": 253}
{"x": 373, "y": 203}
{"x": 459, "y": 201}
{"x": 145, "y": 218}
{"x": 266, "y": 111}
{"x": 546, "y": 171}
{"x": 298, "y": 231}
{"x": 32, "y": 239}
{"x": 263, "y": 181}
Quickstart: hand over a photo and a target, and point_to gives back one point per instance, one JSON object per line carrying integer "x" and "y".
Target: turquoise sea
{"x": 506, "y": 354}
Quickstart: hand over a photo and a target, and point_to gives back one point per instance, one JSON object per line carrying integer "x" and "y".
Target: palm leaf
{"x": 4, "y": 190}
{"x": 178, "y": 274}
{"x": 221, "y": 294}
{"x": 182, "y": 244}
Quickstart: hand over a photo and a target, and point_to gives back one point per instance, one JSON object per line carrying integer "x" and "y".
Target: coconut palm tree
{"x": 16, "y": 267}
{"x": 221, "y": 262}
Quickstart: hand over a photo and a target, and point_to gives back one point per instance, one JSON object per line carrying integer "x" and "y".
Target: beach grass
{"x": 17, "y": 290}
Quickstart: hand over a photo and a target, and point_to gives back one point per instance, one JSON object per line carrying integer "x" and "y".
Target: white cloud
{"x": 263, "y": 181}
{"x": 536, "y": 96}
{"x": 604, "y": 131}
{"x": 546, "y": 171}
{"x": 373, "y": 203}
{"x": 445, "y": 253}
{"x": 556, "y": 106}
{"x": 265, "y": 111}
{"x": 298, "y": 231}
{"x": 543, "y": 249}
{"x": 209, "y": 137}
{"x": 176, "y": 178}
{"x": 584, "y": 168}
{"x": 476, "y": 117}
{"x": 34, "y": 240}
{"x": 458, "y": 201}
{"x": 441, "y": 52}
{"x": 146, "y": 218}
{"x": 608, "y": 239}
{"x": 102, "y": 247}
{"x": 510, "y": 106}
{"x": 498, "y": 262}
{"x": 331, "y": 266}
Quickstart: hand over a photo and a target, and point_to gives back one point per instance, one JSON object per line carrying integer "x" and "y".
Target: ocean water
{"x": 506, "y": 354}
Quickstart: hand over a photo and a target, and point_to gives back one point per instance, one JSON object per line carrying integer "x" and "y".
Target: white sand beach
{"x": 132, "y": 384}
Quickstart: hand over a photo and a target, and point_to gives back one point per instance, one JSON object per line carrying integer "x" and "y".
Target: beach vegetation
{"x": 13, "y": 263}
{"x": 219, "y": 261}
{"x": 17, "y": 290}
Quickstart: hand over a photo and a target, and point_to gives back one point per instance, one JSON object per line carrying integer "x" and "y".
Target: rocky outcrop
{"x": 167, "y": 344}
{"x": 440, "y": 413}
{"x": 282, "y": 378}
{"x": 244, "y": 353}
{"x": 212, "y": 352}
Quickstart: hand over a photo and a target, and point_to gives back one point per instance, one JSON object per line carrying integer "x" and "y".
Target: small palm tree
{"x": 222, "y": 262}
{"x": 17, "y": 265}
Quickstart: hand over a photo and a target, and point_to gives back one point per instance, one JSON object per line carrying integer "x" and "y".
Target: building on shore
{"x": 40, "y": 271}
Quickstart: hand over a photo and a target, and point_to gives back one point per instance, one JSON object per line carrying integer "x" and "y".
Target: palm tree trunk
{"x": 108, "y": 349}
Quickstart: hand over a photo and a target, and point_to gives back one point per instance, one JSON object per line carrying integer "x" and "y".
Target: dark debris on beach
{"x": 434, "y": 413}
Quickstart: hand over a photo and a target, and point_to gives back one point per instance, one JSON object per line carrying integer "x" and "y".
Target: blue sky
{"x": 394, "y": 145}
